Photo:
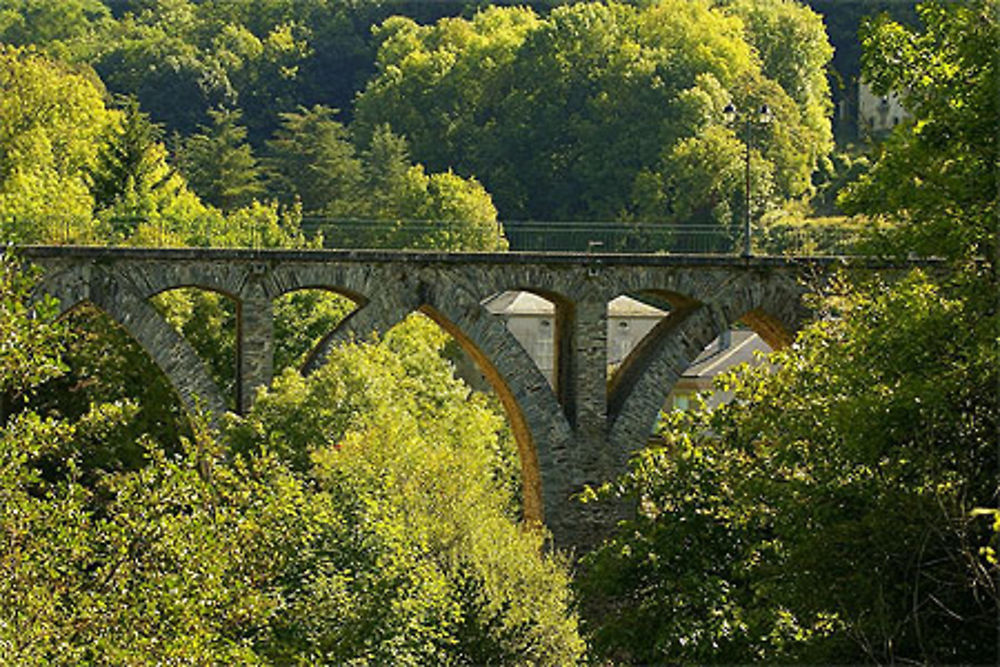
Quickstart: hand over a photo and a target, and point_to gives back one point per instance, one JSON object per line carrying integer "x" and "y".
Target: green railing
{"x": 613, "y": 237}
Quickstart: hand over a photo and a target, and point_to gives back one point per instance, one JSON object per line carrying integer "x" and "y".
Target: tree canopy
{"x": 310, "y": 530}
{"x": 587, "y": 113}
{"x": 53, "y": 120}
{"x": 834, "y": 511}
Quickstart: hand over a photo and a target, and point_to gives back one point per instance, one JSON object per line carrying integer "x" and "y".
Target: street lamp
{"x": 763, "y": 117}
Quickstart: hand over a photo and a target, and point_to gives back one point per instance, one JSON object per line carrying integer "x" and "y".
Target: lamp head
{"x": 729, "y": 113}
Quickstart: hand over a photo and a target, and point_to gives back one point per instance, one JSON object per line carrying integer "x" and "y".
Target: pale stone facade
{"x": 531, "y": 319}
{"x": 878, "y": 114}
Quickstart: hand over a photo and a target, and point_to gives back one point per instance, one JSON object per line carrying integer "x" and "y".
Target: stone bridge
{"x": 579, "y": 432}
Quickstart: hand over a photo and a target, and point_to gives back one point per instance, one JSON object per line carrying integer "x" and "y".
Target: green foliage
{"x": 384, "y": 539}
{"x": 835, "y": 503}
{"x": 69, "y": 30}
{"x": 266, "y": 57}
{"x": 312, "y": 160}
{"x": 378, "y": 198}
{"x": 428, "y": 566}
{"x": 823, "y": 515}
{"x": 303, "y": 318}
{"x": 833, "y": 176}
{"x": 218, "y": 163}
{"x": 601, "y": 97}
{"x": 176, "y": 561}
{"x": 98, "y": 567}
{"x": 207, "y": 320}
{"x": 131, "y": 174}
{"x": 794, "y": 50}
{"x": 936, "y": 175}
{"x": 53, "y": 122}
{"x": 30, "y": 354}
{"x": 103, "y": 365}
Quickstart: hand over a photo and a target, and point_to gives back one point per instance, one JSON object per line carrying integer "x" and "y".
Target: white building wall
{"x": 878, "y": 114}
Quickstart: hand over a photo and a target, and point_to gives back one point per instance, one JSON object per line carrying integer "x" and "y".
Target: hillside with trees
{"x": 841, "y": 509}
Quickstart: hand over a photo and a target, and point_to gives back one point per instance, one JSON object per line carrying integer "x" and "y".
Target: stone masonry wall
{"x": 580, "y": 432}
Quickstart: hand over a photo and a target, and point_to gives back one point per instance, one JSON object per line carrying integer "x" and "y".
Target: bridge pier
{"x": 254, "y": 346}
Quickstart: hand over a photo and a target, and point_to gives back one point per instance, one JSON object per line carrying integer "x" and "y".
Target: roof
{"x": 520, "y": 303}
{"x": 626, "y": 306}
{"x": 529, "y": 303}
{"x": 742, "y": 349}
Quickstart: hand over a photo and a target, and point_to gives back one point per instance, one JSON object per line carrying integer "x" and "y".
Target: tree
{"x": 933, "y": 176}
{"x": 218, "y": 163}
{"x": 79, "y": 559}
{"x": 441, "y": 211}
{"x": 53, "y": 121}
{"x": 794, "y": 49}
{"x": 381, "y": 535}
{"x": 835, "y": 508}
{"x": 312, "y": 160}
{"x": 154, "y": 56}
{"x": 129, "y": 161}
{"x": 32, "y": 354}
{"x": 68, "y": 30}
{"x": 376, "y": 198}
{"x": 135, "y": 188}
{"x": 824, "y": 515}
{"x": 392, "y": 439}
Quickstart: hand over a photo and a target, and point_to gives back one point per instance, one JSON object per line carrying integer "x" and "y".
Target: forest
{"x": 843, "y": 508}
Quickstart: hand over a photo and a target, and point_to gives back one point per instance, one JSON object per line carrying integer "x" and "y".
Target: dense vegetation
{"x": 836, "y": 510}
{"x": 841, "y": 509}
{"x": 563, "y": 111}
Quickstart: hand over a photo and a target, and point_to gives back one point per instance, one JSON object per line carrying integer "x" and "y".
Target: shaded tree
{"x": 836, "y": 506}
{"x": 311, "y": 159}
{"x": 218, "y": 163}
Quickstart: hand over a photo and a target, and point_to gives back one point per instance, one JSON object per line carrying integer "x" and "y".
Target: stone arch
{"x": 540, "y": 431}
{"x": 371, "y": 317}
{"x": 771, "y": 310}
{"x": 225, "y": 369}
{"x": 637, "y": 362}
{"x": 152, "y": 278}
{"x": 128, "y": 308}
{"x": 543, "y": 435}
{"x": 563, "y": 316}
{"x": 534, "y": 415}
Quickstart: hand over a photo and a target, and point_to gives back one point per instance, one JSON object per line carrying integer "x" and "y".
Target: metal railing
{"x": 605, "y": 237}
{"x": 516, "y": 235}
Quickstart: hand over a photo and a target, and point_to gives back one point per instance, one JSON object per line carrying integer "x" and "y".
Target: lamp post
{"x": 763, "y": 117}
